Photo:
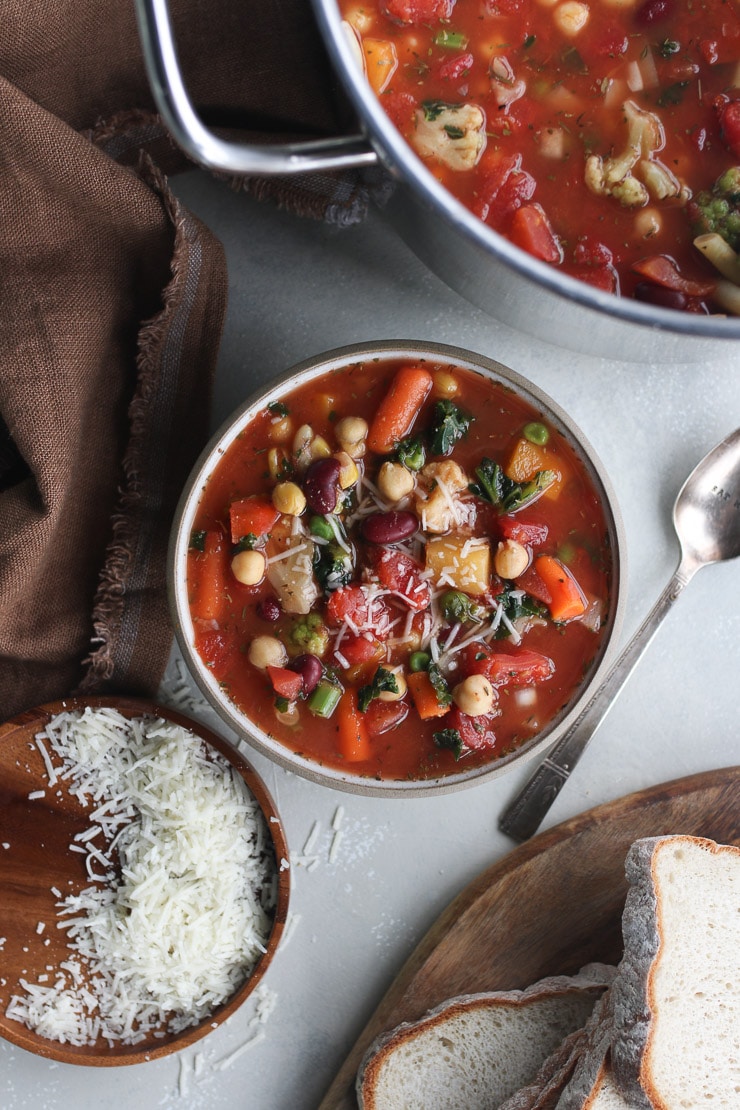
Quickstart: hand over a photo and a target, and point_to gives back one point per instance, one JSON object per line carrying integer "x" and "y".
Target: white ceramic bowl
{"x": 183, "y": 526}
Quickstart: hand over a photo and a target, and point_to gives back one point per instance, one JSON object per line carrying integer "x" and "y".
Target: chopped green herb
{"x": 281, "y": 704}
{"x": 277, "y": 408}
{"x": 382, "y": 680}
{"x": 449, "y": 425}
{"x": 245, "y": 543}
{"x": 673, "y": 94}
{"x": 494, "y": 486}
{"x": 332, "y": 566}
{"x": 457, "y": 606}
{"x": 529, "y": 41}
{"x": 441, "y": 689}
{"x": 668, "y": 47}
{"x": 449, "y": 738}
{"x": 197, "y": 541}
{"x": 433, "y": 109}
{"x": 411, "y": 453}
{"x": 515, "y": 605}
{"x": 320, "y": 526}
{"x": 454, "y": 132}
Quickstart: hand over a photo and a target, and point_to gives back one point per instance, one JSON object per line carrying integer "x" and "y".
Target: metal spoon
{"x": 706, "y": 517}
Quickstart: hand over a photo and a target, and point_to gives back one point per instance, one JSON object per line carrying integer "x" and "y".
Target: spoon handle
{"x": 523, "y": 816}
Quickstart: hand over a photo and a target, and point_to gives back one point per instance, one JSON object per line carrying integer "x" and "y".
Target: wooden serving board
{"x": 550, "y": 906}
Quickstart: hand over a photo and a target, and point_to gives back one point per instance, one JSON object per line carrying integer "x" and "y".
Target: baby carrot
{"x": 353, "y": 739}
{"x": 425, "y": 696}
{"x": 399, "y": 408}
{"x": 207, "y": 570}
{"x": 567, "y": 596}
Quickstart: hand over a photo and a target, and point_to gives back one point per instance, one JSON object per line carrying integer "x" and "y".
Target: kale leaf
{"x": 382, "y": 680}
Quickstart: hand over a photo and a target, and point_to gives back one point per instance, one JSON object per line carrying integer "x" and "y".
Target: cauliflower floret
{"x": 453, "y": 133}
{"x": 617, "y": 176}
{"x": 437, "y": 504}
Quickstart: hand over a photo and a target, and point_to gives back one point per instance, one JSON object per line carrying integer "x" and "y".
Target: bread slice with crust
{"x": 474, "y": 1051}
{"x": 675, "y": 1003}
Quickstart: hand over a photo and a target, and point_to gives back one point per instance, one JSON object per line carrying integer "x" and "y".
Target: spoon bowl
{"x": 706, "y": 517}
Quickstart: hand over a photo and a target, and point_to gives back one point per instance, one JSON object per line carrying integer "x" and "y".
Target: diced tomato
{"x": 400, "y": 108}
{"x": 506, "y": 7}
{"x": 527, "y": 532}
{"x": 399, "y": 572}
{"x": 532, "y": 231}
{"x": 455, "y": 68}
{"x": 207, "y": 571}
{"x": 417, "y": 11}
{"x": 504, "y": 190}
{"x": 382, "y": 716}
{"x": 591, "y": 252}
{"x": 601, "y": 277}
{"x": 662, "y": 269}
{"x": 351, "y": 603}
{"x": 217, "y": 649}
{"x": 476, "y": 733}
{"x": 251, "y": 515}
{"x": 533, "y": 585}
{"x": 285, "y": 683}
{"x": 728, "y": 113}
{"x": 517, "y": 666}
{"x": 724, "y": 49}
{"x": 358, "y": 650}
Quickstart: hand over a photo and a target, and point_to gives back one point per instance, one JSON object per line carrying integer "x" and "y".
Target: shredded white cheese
{"x": 176, "y": 924}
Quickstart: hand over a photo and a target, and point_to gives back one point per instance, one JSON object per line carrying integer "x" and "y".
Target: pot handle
{"x": 205, "y": 147}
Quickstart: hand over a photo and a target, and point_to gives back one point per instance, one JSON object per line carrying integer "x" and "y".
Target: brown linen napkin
{"x": 112, "y": 305}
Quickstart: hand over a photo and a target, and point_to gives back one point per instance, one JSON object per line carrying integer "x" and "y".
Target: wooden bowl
{"x": 37, "y": 858}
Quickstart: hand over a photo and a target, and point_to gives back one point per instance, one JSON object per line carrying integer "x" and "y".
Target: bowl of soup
{"x": 398, "y": 570}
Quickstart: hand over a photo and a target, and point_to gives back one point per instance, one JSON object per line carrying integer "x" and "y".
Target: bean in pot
{"x": 389, "y": 527}
{"x": 268, "y": 609}
{"x": 321, "y": 484}
{"x": 653, "y": 11}
{"x": 658, "y": 294}
{"x": 310, "y": 669}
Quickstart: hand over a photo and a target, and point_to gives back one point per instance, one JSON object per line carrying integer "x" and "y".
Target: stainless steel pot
{"x": 474, "y": 260}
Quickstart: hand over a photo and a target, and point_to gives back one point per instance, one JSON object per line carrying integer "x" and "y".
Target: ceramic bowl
{"x": 346, "y": 777}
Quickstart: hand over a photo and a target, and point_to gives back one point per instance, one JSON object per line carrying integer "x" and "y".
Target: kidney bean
{"x": 658, "y": 294}
{"x": 310, "y": 669}
{"x": 389, "y": 527}
{"x": 654, "y": 11}
{"x": 320, "y": 485}
{"x": 268, "y": 609}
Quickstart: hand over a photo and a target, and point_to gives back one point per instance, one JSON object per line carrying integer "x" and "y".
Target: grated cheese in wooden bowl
{"x": 183, "y": 882}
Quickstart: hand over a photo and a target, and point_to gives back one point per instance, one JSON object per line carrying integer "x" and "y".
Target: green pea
{"x": 536, "y": 433}
{"x": 419, "y": 660}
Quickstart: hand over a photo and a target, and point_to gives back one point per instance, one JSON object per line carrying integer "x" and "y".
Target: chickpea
{"x": 571, "y": 17}
{"x": 394, "y": 481}
{"x": 648, "y": 222}
{"x": 388, "y": 695}
{"x": 248, "y": 567}
{"x": 511, "y": 559}
{"x": 277, "y": 461}
{"x": 290, "y": 716}
{"x": 445, "y": 384}
{"x": 351, "y": 433}
{"x": 348, "y": 473}
{"x": 267, "y": 651}
{"x": 281, "y": 429}
{"x": 288, "y": 498}
{"x": 474, "y": 695}
{"x": 301, "y": 446}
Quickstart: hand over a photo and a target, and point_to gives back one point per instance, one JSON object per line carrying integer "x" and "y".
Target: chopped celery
{"x": 325, "y": 698}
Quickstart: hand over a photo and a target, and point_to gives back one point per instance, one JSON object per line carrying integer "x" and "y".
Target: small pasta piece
{"x": 719, "y": 252}
{"x": 727, "y": 296}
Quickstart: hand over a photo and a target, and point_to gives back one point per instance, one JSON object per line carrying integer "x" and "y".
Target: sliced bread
{"x": 675, "y": 1003}
{"x": 474, "y": 1051}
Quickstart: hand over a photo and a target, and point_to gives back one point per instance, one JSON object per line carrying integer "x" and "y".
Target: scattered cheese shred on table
{"x": 178, "y": 920}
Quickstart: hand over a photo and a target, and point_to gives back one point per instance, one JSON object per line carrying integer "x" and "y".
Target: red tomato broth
{"x": 537, "y": 145}
{"x": 574, "y": 524}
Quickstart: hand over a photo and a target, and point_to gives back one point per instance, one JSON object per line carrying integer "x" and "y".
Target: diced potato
{"x": 527, "y": 458}
{"x": 459, "y": 562}
{"x": 381, "y": 62}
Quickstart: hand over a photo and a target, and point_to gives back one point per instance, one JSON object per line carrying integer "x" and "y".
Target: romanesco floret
{"x": 718, "y": 209}
{"x": 309, "y": 635}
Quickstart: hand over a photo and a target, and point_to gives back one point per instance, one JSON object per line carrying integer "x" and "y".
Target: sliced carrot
{"x": 399, "y": 408}
{"x": 207, "y": 570}
{"x": 567, "y": 597}
{"x": 352, "y": 734}
{"x": 381, "y": 62}
{"x": 527, "y": 458}
{"x": 425, "y": 696}
{"x": 532, "y": 231}
{"x": 255, "y": 515}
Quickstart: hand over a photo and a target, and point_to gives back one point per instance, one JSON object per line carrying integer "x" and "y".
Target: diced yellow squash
{"x": 527, "y": 458}
{"x": 381, "y": 62}
{"x": 460, "y": 563}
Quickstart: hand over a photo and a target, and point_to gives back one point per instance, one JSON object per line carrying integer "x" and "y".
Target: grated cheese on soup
{"x": 169, "y": 930}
